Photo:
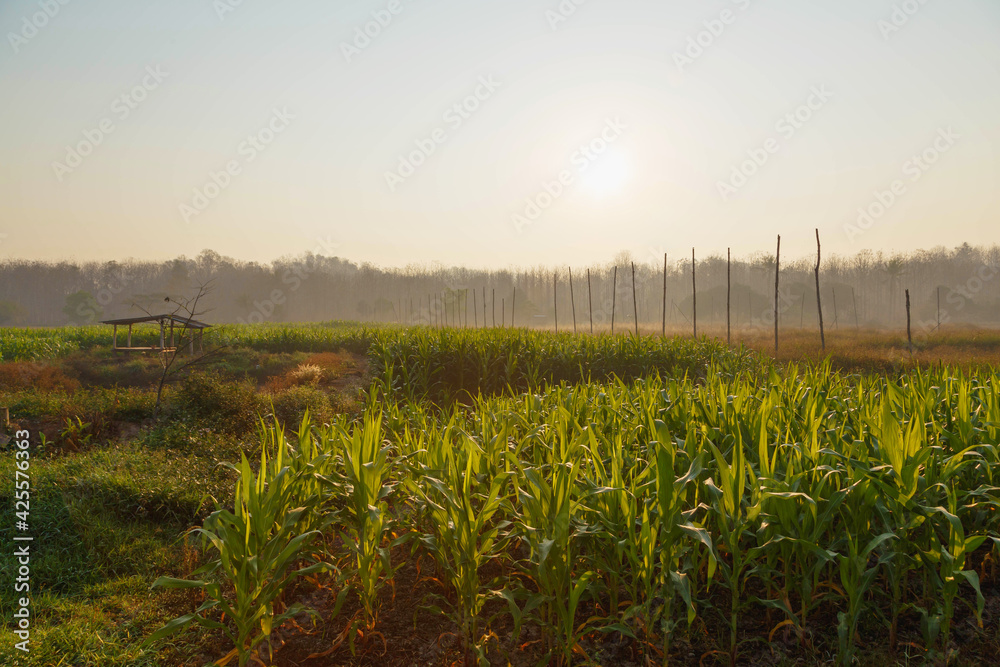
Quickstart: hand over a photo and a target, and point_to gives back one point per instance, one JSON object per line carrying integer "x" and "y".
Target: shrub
{"x": 229, "y": 406}
{"x": 289, "y": 405}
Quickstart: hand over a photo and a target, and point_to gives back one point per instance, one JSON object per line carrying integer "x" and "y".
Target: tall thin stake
{"x": 819, "y": 304}
{"x": 494, "y": 304}
{"x": 729, "y": 296}
{"x": 854, "y": 298}
{"x": 635, "y": 305}
{"x": 694, "y": 294}
{"x": 836, "y": 314}
{"x": 475, "y": 309}
{"x": 503, "y": 313}
{"x": 555, "y": 300}
{"x": 513, "y": 302}
{"x": 777, "y": 274}
{"x": 939, "y": 307}
{"x": 572, "y": 298}
{"x": 909, "y": 331}
{"x": 614, "y": 300}
{"x": 663, "y": 327}
{"x": 590, "y": 303}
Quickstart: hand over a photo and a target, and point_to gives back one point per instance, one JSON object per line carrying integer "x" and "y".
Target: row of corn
{"x": 648, "y": 510}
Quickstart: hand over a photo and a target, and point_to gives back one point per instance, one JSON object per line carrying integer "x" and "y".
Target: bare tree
{"x": 185, "y": 310}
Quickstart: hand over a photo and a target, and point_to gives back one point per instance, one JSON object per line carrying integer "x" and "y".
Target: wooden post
{"x": 114, "y": 337}
{"x": 938, "y": 307}
{"x": 590, "y": 303}
{"x": 161, "y": 335}
{"x": 466, "y": 308}
{"x": 484, "y": 306}
{"x": 836, "y": 315}
{"x": 130, "y": 335}
{"x": 572, "y": 298}
{"x": 513, "y": 303}
{"x": 635, "y": 305}
{"x": 503, "y": 313}
{"x": 614, "y": 300}
{"x": 5, "y": 418}
{"x": 663, "y": 326}
{"x": 494, "y": 307}
{"x": 729, "y": 296}
{"x": 854, "y": 298}
{"x": 819, "y": 304}
{"x": 777, "y": 274}
{"x": 694, "y": 294}
{"x": 909, "y": 331}
{"x": 555, "y": 300}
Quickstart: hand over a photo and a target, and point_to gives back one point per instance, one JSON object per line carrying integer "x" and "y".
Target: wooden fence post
{"x": 694, "y": 294}
{"x": 614, "y": 300}
{"x": 590, "y": 303}
{"x": 555, "y": 300}
{"x": 635, "y": 305}
{"x": 572, "y": 297}
{"x": 777, "y": 274}
{"x": 909, "y": 331}
{"x": 663, "y": 327}
{"x": 819, "y": 304}
{"x": 729, "y": 296}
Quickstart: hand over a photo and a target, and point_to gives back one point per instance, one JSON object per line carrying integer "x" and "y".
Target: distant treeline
{"x": 865, "y": 290}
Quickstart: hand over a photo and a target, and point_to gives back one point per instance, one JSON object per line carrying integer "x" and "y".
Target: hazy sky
{"x": 120, "y": 119}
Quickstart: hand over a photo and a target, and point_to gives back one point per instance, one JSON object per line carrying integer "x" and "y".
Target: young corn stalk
{"x": 461, "y": 497}
{"x": 367, "y": 523}
{"x": 258, "y": 551}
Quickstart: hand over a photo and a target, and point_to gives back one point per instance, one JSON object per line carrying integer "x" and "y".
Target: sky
{"x": 491, "y": 133}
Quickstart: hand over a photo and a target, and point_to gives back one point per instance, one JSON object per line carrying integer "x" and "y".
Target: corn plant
{"x": 462, "y": 493}
{"x": 258, "y": 551}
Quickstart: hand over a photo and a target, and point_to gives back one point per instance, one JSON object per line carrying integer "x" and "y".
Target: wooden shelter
{"x": 168, "y": 324}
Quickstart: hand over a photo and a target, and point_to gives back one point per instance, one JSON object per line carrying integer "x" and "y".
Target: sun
{"x": 606, "y": 176}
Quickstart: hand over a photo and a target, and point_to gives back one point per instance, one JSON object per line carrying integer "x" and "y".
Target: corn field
{"x": 657, "y": 510}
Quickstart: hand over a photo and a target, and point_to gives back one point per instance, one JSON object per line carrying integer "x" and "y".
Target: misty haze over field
{"x": 864, "y": 290}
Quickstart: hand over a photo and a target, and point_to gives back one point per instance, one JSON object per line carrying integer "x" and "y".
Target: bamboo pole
{"x": 909, "y": 331}
{"x": 635, "y": 305}
{"x": 590, "y": 303}
{"x": 819, "y": 304}
{"x": 854, "y": 298}
{"x": 614, "y": 300}
{"x": 572, "y": 298}
{"x": 663, "y": 326}
{"x": 694, "y": 294}
{"x": 729, "y": 296}
{"x": 938, "y": 307}
{"x": 555, "y": 300}
{"x": 836, "y": 314}
{"x": 777, "y": 275}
